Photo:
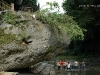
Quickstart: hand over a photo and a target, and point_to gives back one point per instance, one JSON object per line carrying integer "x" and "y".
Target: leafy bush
{"x": 24, "y": 35}
{"x": 61, "y": 23}
{"x": 9, "y": 17}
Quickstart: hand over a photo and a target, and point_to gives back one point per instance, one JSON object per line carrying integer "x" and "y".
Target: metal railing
{"x": 4, "y": 6}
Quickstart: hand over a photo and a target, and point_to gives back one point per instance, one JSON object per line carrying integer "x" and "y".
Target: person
{"x": 58, "y": 65}
{"x": 73, "y": 65}
{"x": 80, "y": 65}
{"x": 64, "y": 65}
{"x": 83, "y": 66}
{"x": 69, "y": 66}
{"x": 76, "y": 65}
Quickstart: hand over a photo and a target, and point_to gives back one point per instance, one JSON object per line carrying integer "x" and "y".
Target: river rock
{"x": 43, "y": 68}
{"x": 52, "y": 73}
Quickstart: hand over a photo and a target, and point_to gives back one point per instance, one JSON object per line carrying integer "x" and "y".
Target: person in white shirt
{"x": 76, "y": 65}
{"x": 69, "y": 66}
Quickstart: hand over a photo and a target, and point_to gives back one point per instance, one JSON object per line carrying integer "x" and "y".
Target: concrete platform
{"x": 9, "y": 73}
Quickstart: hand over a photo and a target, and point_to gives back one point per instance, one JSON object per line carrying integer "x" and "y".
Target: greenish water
{"x": 67, "y": 73}
{"x": 78, "y": 73}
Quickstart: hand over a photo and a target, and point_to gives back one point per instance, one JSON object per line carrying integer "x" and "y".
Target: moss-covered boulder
{"x": 26, "y": 41}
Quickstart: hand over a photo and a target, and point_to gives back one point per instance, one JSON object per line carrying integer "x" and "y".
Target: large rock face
{"x": 43, "y": 44}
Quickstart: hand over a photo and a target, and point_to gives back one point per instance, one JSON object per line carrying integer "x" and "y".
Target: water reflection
{"x": 78, "y": 73}
{"x": 75, "y": 73}
{"x": 68, "y": 73}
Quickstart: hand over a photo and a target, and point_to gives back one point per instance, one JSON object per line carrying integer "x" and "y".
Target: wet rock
{"x": 43, "y": 68}
{"x": 52, "y": 73}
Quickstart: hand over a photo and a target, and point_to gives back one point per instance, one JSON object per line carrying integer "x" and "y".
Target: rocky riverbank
{"x": 92, "y": 64}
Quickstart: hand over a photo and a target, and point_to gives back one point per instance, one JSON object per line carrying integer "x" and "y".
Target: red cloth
{"x": 62, "y": 63}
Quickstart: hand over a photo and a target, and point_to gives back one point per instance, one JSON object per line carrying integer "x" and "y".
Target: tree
{"x": 9, "y": 1}
{"x": 60, "y": 23}
{"x": 30, "y": 2}
{"x": 18, "y": 3}
{"x": 86, "y": 13}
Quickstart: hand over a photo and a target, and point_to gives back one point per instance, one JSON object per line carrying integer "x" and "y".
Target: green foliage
{"x": 61, "y": 23}
{"x": 10, "y": 18}
{"x": 53, "y": 5}
{"x": 24, "y": 35}
{"x": 87, "y": 17}
{"x": 6, "y": 38}
{"x": 68, "y": 57}
{"x": 30, "y": 2}
{"x": 82, "y": 14}
{"x": 25, "y": 2}
{"x": 9, "y": 1}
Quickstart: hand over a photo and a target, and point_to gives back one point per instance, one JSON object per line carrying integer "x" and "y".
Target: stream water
{"x": 78, "y": 73}
{"x": 60, "y": 72}
{"x": 68, "y": 73}
{"x": 26, "y": 71}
